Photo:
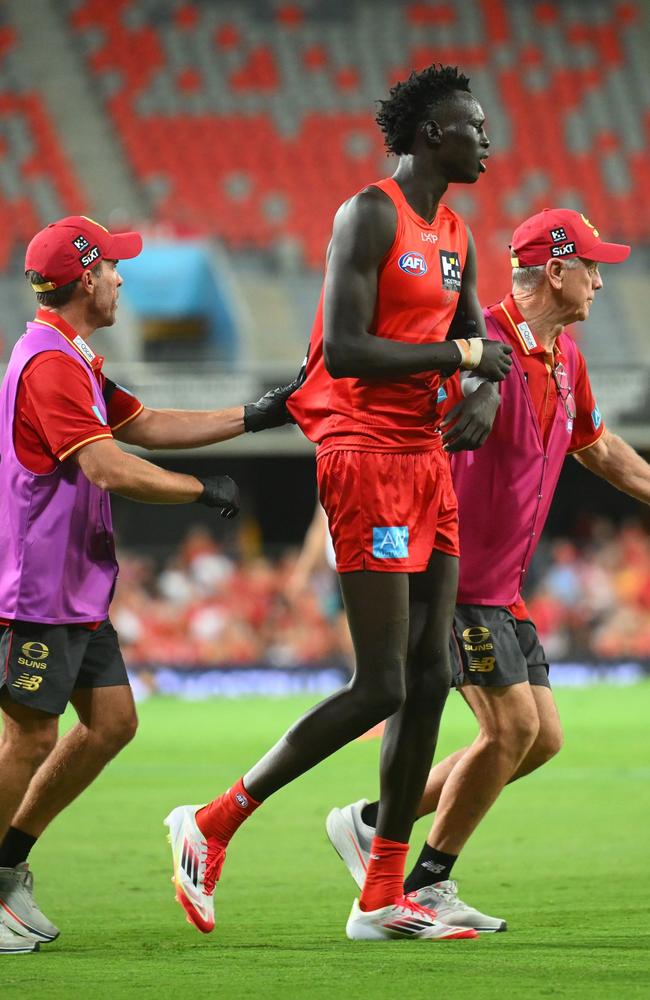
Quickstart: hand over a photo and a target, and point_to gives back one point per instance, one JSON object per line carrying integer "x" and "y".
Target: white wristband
{"x": 475, "y": 352}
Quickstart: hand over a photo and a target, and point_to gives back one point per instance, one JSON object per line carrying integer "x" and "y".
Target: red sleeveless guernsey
{"x": 417, "y": 294}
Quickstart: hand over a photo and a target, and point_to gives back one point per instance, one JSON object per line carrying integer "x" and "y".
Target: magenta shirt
{"x": 505, "y": 488}
{"x": 57, "y": 557}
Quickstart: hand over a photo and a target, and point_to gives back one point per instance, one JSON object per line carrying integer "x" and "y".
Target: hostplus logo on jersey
{"x": 390, "y": 543}
{"x": 596, "y": 418}
{"x": 451, "y": 270}
{"x": 413, "y": 263}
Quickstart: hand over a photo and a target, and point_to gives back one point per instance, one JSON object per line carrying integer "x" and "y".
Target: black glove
{"x": 220, "y": 491}
{"x": 271, "y": 409}
{"x": 470, "y": 421}
{"x": 496, "y": 361}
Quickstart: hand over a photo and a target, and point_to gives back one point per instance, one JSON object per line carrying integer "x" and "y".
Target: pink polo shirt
{"x": 506, "y": 487}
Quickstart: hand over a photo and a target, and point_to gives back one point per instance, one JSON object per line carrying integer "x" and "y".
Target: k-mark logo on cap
{"x": 81, "y": 243}
{"x": 451, "y": 270}
{"x": 558, "y": 235}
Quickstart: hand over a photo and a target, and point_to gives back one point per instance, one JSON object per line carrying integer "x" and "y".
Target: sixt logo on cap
{"x": 89, "y": 257}
{"x": 413, "y": 263}
{"x": 564, "y": 250}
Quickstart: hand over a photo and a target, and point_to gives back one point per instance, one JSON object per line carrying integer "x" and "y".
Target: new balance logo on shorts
{"x": 28, "y": 682}
{"x": 390, "y": 543}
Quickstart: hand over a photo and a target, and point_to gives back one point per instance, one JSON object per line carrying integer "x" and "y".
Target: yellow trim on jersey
{"x": 137, "y": 413}
{"x": 577, "y": 451}
{"x": 515, "y": 328}
{"x": 42, "y": 322}
{"x": 80, "y": 444}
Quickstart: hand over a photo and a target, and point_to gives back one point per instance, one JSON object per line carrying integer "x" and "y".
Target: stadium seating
{"x": 36, "y": 179}
{"x": 256, "y": 126}
{"x": 253, "y": 123}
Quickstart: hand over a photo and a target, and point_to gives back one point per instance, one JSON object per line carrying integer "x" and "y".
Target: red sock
{"x": 385, "y": 876}
{"x": 223, "y": 817}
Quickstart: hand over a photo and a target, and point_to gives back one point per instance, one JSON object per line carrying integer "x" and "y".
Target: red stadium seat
{"x": 265, "y": 160}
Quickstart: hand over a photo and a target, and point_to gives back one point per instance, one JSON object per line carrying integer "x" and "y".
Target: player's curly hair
{"x": 410, "y": 101}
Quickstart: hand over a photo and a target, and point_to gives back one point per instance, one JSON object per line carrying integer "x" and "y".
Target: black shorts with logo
{"x": 41, "y": 665}
{"x": 491, "y": 648}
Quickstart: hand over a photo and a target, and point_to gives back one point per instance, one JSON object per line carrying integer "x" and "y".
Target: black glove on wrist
{"x": 271, "y": 409}
{"x": 220, "y": 491}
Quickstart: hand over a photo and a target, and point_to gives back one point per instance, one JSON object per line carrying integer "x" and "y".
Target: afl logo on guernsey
{"x": 413, "y": 263}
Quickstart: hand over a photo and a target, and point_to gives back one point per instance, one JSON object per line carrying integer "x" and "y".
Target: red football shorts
{"x": 388, "y": 511}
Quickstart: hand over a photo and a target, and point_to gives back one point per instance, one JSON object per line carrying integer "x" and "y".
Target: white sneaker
{"x": 405, "y": 919}
{"x": 197, "y": 866}
{"x": 18, "y": 910}
{"x": 16, "y": 944}
{"x": 443, "y": 898}
{"x": 351, "y": 838}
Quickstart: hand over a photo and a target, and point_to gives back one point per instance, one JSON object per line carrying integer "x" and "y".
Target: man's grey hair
{"x": 527, "y": 279}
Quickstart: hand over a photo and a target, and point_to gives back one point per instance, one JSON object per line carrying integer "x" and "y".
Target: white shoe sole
{"x": 29, "y": 949}
{"x": 358, "y": 931}
{"x": 503, "y": 926}
{"x": 22, "y": 928}
{"x": 346, "y": 846}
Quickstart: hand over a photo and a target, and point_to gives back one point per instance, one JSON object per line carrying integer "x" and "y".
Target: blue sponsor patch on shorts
{"x": 596, "y": 418}
{"x": 442, "y": 394}
{"x": 390, "y": 543}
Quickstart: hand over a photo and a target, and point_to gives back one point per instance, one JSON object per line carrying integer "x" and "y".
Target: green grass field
{"x": 563, "y": 856}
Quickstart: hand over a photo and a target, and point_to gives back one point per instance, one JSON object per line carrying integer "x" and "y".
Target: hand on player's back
{"x": 271, "y": 409}
{"x": 496, "y": 361}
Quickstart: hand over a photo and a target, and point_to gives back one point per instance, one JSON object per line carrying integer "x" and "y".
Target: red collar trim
{"x": 48, "y": 318}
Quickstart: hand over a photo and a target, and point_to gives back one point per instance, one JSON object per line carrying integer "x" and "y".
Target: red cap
{"x": 63, "y": 251}
{"x": 560, "y": 233}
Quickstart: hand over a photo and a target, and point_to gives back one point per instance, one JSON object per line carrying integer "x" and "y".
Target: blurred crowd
{"x": 591, "y": 600}
{"x": 205, "y": 607}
